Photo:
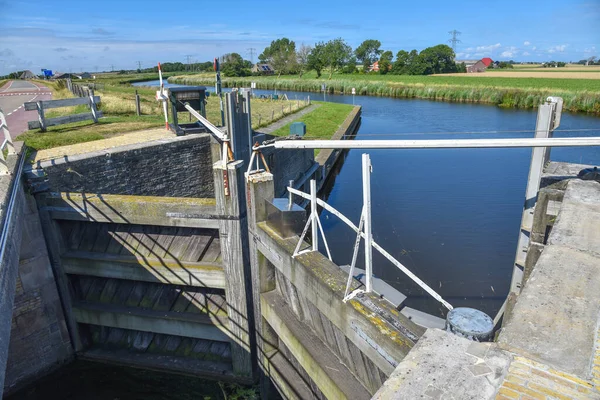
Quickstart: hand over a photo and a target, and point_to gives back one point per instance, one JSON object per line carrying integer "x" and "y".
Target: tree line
{"x": 338, "y": 56}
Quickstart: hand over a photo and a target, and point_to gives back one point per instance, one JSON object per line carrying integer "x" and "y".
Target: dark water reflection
{"x": 451, "y": 216}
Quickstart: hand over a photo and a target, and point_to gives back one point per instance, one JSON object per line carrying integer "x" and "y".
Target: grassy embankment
{"x": 322, "y": 122}
{"x": 118, "y": 106}
{"x": 580, "y": 95}
{"x": 3, "y": 82}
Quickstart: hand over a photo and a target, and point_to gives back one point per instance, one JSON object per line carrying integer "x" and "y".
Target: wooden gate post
{"x": 233, "y": 234}
{"x": 93, "y": 106}
{"x": 41, "y": 117}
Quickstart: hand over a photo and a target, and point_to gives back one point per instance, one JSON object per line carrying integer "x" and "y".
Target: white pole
{"x": 313, "y": 215}
{"x": 536, "y": 168}
{"x": 366, "y": 175}
{"x": 435, "y": 143}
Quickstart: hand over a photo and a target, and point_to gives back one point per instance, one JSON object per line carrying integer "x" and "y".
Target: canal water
{"x": 451, "y": 216}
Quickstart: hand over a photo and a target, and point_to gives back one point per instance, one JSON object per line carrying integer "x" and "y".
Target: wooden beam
{"x": 235, "y": 253}
{"x": 32, "y": 105}
{"x": 66, "y": 119}
{"x": 323, "y": 367}
{"x": 141, "y": 210}
{"x": 145, "y": 269}
{"x": 164, "y": 363}
{"x": 199, "y": 326}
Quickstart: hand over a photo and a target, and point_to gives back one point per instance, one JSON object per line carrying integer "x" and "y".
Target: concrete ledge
{"x": 554, "y": 320}
{"x": 445, "y": 366}
{"x": 578, "y": 223}
{"x": 556, "y": 316}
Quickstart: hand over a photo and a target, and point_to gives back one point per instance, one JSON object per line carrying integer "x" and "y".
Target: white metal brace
{"x": 314, "y": 223}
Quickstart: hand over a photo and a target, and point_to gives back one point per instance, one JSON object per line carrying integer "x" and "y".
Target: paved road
{"x": 12, "y": 97}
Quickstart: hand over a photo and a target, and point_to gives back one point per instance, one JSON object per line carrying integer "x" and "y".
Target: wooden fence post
{"x": 138, "y": 110}
{"x": 93, "y": 106}
{"x": 272, "y": 115}
{"x": 41, "y": 117}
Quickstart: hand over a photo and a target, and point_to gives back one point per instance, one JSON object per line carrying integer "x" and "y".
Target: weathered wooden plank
{"x": 32, "y": 105}
{"x": 179, "y": 324}
{"x": 180, "y": 243}
{"x": 198, "y": 243}
{"x": 321, "y": 364}
{"x": 163, "y": 241}
{"x": 117, "y": 234}
{"x": 220, "y": 371}
{"x": 88, "y": 237}
{"x": 51, "y": 233}
{"x": 140, "y": 210}
{"x": 131, "y": 267}
{"x": 102, "y": 239}
{"x": 66, "y": 119}
{"x": 233, "y": 233}
{"x": 213, "y": 253}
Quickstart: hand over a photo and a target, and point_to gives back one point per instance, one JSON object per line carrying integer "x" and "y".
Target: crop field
{"x": 309, "y": 82}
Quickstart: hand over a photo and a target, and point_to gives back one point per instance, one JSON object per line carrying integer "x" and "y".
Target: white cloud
{"x": 489, "y": 48}
{"x": 558, "y": 49}
{"x": 590, "y": 50}
{"x": 510, "y": 51}
{"x": 534, "y": 48}
{"x": 526, "y": 43}
{"x": 526, "y": 53}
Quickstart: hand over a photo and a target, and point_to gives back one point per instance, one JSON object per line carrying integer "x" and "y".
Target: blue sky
{"x": 82, "y": 35}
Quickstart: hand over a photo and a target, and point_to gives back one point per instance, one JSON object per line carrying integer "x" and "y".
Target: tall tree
{"x": 400, "y": 66}
{"x": 302, "y": 57}
{"x": 233, "y": 64}
{"x": 368, "y": 52}
{"x": 385, "y": 62}
{"x": 337, "y": 54}
{"x": 281, "y": 54}
{"x": 438, "y": 59}
{"x": 316, "y": 59}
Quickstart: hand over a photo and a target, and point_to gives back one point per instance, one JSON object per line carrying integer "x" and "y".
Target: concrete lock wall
{"x": 175, "y": 167}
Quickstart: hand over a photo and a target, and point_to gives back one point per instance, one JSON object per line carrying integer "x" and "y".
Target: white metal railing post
{"x": 366, "y": 172}
{"x": 314, "y": 215}
{"x": 539, "y": 157}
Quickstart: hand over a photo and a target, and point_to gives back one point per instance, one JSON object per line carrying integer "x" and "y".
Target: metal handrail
{"x": 376, "y": 246}
{"x": 4, "y": 234}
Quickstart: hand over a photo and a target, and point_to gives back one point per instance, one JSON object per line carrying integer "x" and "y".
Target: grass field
{"x": 580, "y": 95}
{"x": 321, "y": 123}
{"x": 118, "y": 106}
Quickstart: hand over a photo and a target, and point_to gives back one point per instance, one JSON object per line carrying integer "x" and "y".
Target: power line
{"x": 112, "y": 67}
{"x": 251, "y": 51}
{"x": 454, "y": 39}
{"x": 139, "y": 63}
{"x": 188, "y": 57}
